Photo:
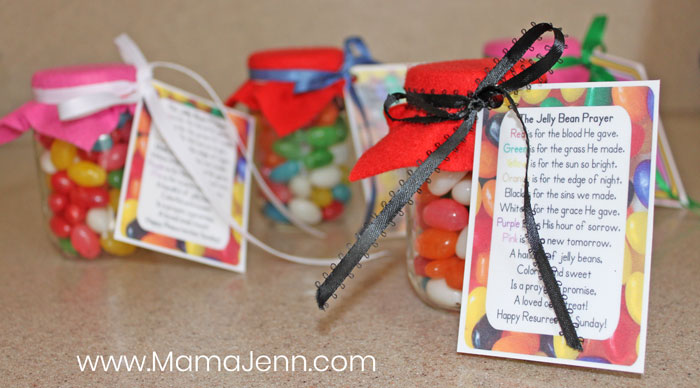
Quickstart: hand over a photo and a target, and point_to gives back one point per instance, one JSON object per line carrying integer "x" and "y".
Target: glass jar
{"x": 80, "y": 192}
{"x": 437, "y": 232}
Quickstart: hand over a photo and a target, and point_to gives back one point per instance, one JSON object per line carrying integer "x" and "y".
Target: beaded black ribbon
{"x": 443, "y": 107}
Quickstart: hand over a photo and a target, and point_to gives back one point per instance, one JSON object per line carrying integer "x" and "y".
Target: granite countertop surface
{"x": 53, "y": 309}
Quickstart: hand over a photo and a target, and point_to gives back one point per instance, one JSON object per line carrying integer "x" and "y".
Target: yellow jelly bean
{"x": 572, "y": 94}
{"x": 238, "y": 192}
{"x": 476, "y": 308}
{"x": 115, "y": 247}
{"x": 637, "y": 231}
{"x": 477, "y": 205}
{"x": 238, "y": 216}
{"x": 87, "y": 174}
{"x": 114, "y": 198}
{"x": 194, "y": 249}
{"x": 62, "y": 154}
{"x": 534, "y": 96}
{"x": 562, "y": 350}
{"x": 634, "y": 291}
{"x": 179, "y": 97}
{"x": 128, "y": 213}
{"x": 506, "y": 104}
{"x": 626, "y": 265}
{"x": 321, "y": 197}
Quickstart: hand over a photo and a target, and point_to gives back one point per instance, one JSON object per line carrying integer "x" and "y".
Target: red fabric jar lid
{"x": 285, "y": 110}
{"x": 406, "y": 142}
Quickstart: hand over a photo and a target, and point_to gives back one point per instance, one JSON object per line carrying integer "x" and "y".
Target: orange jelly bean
{"x": 522, "y": 343}
{"x": 455, "y": 277}
{"x": 436, "y": 244}
{"x": 489, "y": 159}
{"x": 436, "y": 269}
{"x": 481, "y": 268}
{"x": 488, "y": 193}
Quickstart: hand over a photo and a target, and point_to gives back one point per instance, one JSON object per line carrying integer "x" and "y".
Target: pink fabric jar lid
{"x": 61, "y": 77}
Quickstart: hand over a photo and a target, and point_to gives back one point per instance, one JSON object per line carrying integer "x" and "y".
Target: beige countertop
{"x": 53, "y": 309}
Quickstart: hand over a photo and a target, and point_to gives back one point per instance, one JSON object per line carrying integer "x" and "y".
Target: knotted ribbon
{"x": 592, "y": 41}
{"x": 440, "y": 108}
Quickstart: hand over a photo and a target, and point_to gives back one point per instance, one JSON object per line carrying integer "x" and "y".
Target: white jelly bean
{"x": 46, "y": 163}
{"x": 325, "y": 177}
{"x": 305, "y": 211}
{"x": 461, "y": 249}
{"x": 300, "y": 186}
{"x": 441, "y": 184}
{"x": 462, "y": 192}
{"x": 439, "y": 293}
{"x": 98, "y": 219}
{"x": 340, "y": 153}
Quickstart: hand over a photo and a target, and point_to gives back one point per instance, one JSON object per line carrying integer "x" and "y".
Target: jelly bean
{"x": 477, "y": 205}
{"x": 600, "y": 360}
{"x": 116, "y": 248}
{"x": 341, "y": 153}
{"x": 637, "y": 231}
{"x": 114, "y": 178}
{"x": 522, "y": 343}
{"x": 285, "y": 171}
{"x": 91, "y": 156}
{"x": 572, "y": 94}
{"x": 562, "y": 350}
{"x": 482, "y": 232}
{"x": 489, "y": 160}
{"x": 650, "y": 104}
{"x": 481, "y": 268}
{"x": 66, "y": 246}
{"x": 455, "y": 275}
{"x": 598, "y": 97}
{"x": 216, "y": 112}
{"x": 445, "y": 213}
{"x": 437, "y": 268}
{"x": 332, "y": 211}
{"x": 619, "y": 348}
{"x": 99, "y": 219}
{"x": 488, "y": 191}
{"x": 484, "y": 336}
{"x": 633, "y": 99}
{"x": 305, "y": 210}
{"x": 114, "y": 198}
{"x": 322, "y": 137}
{"x": 242, "y": 167}
{"x": 462, "y": 192}
{"x": 638, "y": 137}
{"x": 230, "y": 253}
{"x": 46, "y": 163}
{"x": 547, "y": 345}
{"x": 103, "y": 143}
{"x": 328, "y": 115}
{"x": 419, "y": 263}
{"x": 272, "y": 160}
{"x": 280, "y": 191}
{"x": 129, "y": 209}
{"x": 74, "y": 214}
{"x": 441, "y": 183}
{"x": 142, "y": 145}
{"x": 59, "y": 227}
{"x": 341, "y": 130}
{"x": 300, "y": 186}
{"x": 492, "y": 128}
{"x": 271, "y": 212}
{"x": 87, "y": 174}
{"x": 341, "y": 193}
{"x": 436, "y": 244}
{"x": 134, "y": 230}
{"x": 506, "y": 104}
{"x": 634, "y": 292}
{"x": 476, "y": 309}
{"x": 61, "y": 183}
{"x": 318, "y": 158}
{"x": 461, "y": 247}
{"x": 89, "y": 196}
{"x": 180, "y": 245}
{"x": 288, "y": 149}
{"x": 134, "y": 188}
{"x": 534, "y": 96}
{"x": 326, "y": 177}
{"x": 62, "y": 154}
{"x": 630, "y": 192}
{"x": 45, "y": 141}
{"x": 642, "y": 181}
{"x": 551, "y": 102}
{"x": 159, "y": 240}
{"x": 57, "y": 202}
{"x": 113, "y": 158}
{"x": 439, "y": 293}
{"x": 321, "y": 197}
{"x": 85, "y": 241}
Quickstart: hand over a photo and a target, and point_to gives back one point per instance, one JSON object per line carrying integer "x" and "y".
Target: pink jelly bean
{"x": 419, "y": 263}
{"x": 446, "y": 214}
{"x": 113, "y": 158}
{"x": 620, "y": 348}
{"x": 85, "y": 241}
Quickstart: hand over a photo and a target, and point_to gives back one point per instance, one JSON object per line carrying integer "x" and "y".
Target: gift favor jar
{"x": 80, "y": 154}
{"x": 303, "y": 145}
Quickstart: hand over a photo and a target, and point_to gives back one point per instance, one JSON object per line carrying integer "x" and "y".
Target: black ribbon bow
{"x": 442, "y": 107}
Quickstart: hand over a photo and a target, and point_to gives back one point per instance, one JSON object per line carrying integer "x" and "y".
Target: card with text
{"x": 592, "y": 187}
{"x": 161, "y": 207}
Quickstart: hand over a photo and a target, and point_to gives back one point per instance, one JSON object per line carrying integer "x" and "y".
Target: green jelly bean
{"x": 318, "y": 158}
{"x": 288, "y": 149}
{"x": 66, "y": 246}
{"x": 216, "y": 112}
{"x": 297, "y": 137}
{"x": 341, "y": 130}
{"x": 598, "y": 97}
{"x": 114, "y": 178}
{"x": 323, "y": 136}
{"x": 551, "y": 102}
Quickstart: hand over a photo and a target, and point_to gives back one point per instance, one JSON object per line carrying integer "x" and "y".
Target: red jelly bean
{"x": 621, "y": 347}
{"x": 89, "y": 197}
{"x": 44, "y": 140}
{"x": 280, "y": 190}
{"x": 85, "y": 241}
{"x": 332, "y": 211}
{"x": 57, "y": 202}
{"x": 61, "y": 183}
{"x": 113, "y": 158}
{"x": 74, "y": 214}
{"x": 445, "y": 213}
{"x": 482, "y": 232}
{"x": 88, "y": 155}
{"x": 419, "y": 263}
{"x": 60, "y": 227}
{"x": 436, "y": 244}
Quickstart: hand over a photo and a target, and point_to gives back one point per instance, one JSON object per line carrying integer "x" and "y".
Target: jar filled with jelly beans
{"x": 303, "y": 148}
{"x": 80, "y": 191}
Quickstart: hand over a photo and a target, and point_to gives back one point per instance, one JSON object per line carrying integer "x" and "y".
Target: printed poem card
{"x": 591, "y": 183}
{"x": 161, "y": 206}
